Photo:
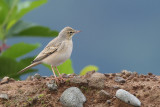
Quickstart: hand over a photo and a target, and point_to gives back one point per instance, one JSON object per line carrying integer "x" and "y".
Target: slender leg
{"x": 58, "y": 71}
{"x": 61, "y": 78}
{"x": 54, "y": 74}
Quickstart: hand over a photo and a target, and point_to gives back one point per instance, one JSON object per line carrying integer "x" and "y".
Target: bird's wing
{"x": 48, "y": 50}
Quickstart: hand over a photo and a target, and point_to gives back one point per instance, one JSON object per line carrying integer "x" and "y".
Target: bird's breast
{"x": 61, "y": 55}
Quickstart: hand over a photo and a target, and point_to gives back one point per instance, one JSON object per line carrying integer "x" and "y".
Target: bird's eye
{"x": 71, "y": 32}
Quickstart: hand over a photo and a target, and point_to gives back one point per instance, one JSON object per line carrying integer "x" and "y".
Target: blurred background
{"x": 116, "y": 34}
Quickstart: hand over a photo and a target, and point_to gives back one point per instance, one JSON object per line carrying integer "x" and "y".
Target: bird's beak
{"x": 77, "y": 31}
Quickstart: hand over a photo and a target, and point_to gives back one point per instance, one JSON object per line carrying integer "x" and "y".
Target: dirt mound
{"x": 34, "y": 92}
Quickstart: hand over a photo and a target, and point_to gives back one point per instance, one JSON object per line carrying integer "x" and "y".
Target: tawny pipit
{"x": 57, "y": 51}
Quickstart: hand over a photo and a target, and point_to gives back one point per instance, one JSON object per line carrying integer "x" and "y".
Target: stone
{"x": 119, "y": 74}
{"x": 135, "y": 73}
{"x": 107, "y": 75}
{"x": 150, "y": 74}
{"x": 113, "y": 74}
{"x": 11, "y": 80}
{"x": 44, "y": 77}
{"x": 37, "y": 76}
{"x": 89, "y": 74}
{"x": 5, "y": 80}
{"x": 127, "y": 97}
{"x": 108, "y": 101}
{"x": 29, "y": 78}
{"x": 78, "y": 79}
{"x": 116, "y": 87}
{"x": 72, "y": 97}
{"x": 127, "y": 73}
{"x": 119, "y": 80}
{"x": 154, "y": 78}
{"x": 97, "y": 80}
{"x": 52, "y": 85}
{"x": 131, "y": 77}
{"x": 71, "y": 75}
{"x": 104, "y": 94}
{"x": 64, "y": 75}
{"x": 4, "y": 96}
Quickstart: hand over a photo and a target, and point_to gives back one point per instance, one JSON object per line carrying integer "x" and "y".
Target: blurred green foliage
{"x": 88, "y": 68}
{"x": 11, "y": 25}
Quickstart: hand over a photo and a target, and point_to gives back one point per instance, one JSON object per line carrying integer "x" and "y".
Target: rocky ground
{"x": 93, "y": 90}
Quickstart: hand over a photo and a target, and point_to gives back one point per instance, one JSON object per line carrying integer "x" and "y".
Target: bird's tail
{"x": 30, "y": 66}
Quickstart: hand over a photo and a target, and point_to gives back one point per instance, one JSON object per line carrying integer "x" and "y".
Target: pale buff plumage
{"x": 57, "y": 51}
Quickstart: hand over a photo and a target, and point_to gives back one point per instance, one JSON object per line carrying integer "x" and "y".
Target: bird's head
{"x": 68, "y": 32}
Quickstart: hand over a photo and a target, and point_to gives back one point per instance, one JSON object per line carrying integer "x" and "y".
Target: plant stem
{"x": 2, "y": 35}
{"x": 3, "y": 30}
{"x": 9, "y": 13}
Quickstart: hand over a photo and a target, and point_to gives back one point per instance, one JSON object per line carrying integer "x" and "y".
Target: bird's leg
{"x": 60, "y": 76}
{"x": 55, "y": 77}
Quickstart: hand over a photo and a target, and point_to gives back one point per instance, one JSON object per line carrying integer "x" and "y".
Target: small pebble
{"x": 108, "y": 101}
{"x": 154, "y": 78}
{"x": 5, "y": 80}
{"x": 4, "y": 96}
{"x": 150, "y": 74}
{"x": 113, "y": 74}
{"x": 64, "y": 75}
{"x": 116, "y": 87}
{"x": 148, "y": 79}
{"x": 135, "y": 79}
{"x": 105, "y": 95}
{"x": 107, "y": 75}
{"x": 37, "y": 76}
{"x": 11, "y": 79}
{"x": 127, "y": 97}
{"x": 126, "y": 72}
{"x": 97, "y": 80}
{"x": 72, "y": 97}
{"x": 52, "y": 85}
{"x": 130, "y": 77}
{"x": 29, "y": 78}
{"x": 135, "y": 87}
{"x": 118, "y": 74}
{"x": 44, "y": 77}
{"x": 119, "y": 79}
{"x": 78, "y": 79}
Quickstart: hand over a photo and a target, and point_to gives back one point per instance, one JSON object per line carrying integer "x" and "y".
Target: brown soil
{"x": 36, "y": 94}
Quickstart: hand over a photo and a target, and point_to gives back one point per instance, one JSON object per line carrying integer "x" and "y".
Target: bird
{"x": 56, "y": 52}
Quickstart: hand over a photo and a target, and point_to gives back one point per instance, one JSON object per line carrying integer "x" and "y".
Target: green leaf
{"x": 22, "y": 28}
{"x": 66, "y": 67}
{"x": 26, "y": 6}
{"x": 10, "y": 67}
{"x": 8, "y": 22}
{"x": 19, "y": 49}
{"x": 22, "y": 64}
{"x": 3, "y": 11}
{"x": 18, "y": 27}
{"x": 21, "y": 9}
{"x": 38, "y": 31}
{"x": 9, "y": 2}
{"x": 88, "y": 68}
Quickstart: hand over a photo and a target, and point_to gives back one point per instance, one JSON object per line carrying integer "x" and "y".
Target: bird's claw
{"x": 59, "y": 79}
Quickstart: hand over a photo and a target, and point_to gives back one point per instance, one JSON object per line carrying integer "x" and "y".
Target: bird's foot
{"x": 59, "y": 79}
{"x": 56, "y": 80}
{"x": 62, "y": 79}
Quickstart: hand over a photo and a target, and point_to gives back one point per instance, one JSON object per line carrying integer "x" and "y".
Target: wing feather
{"x": 47, "y": 51}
